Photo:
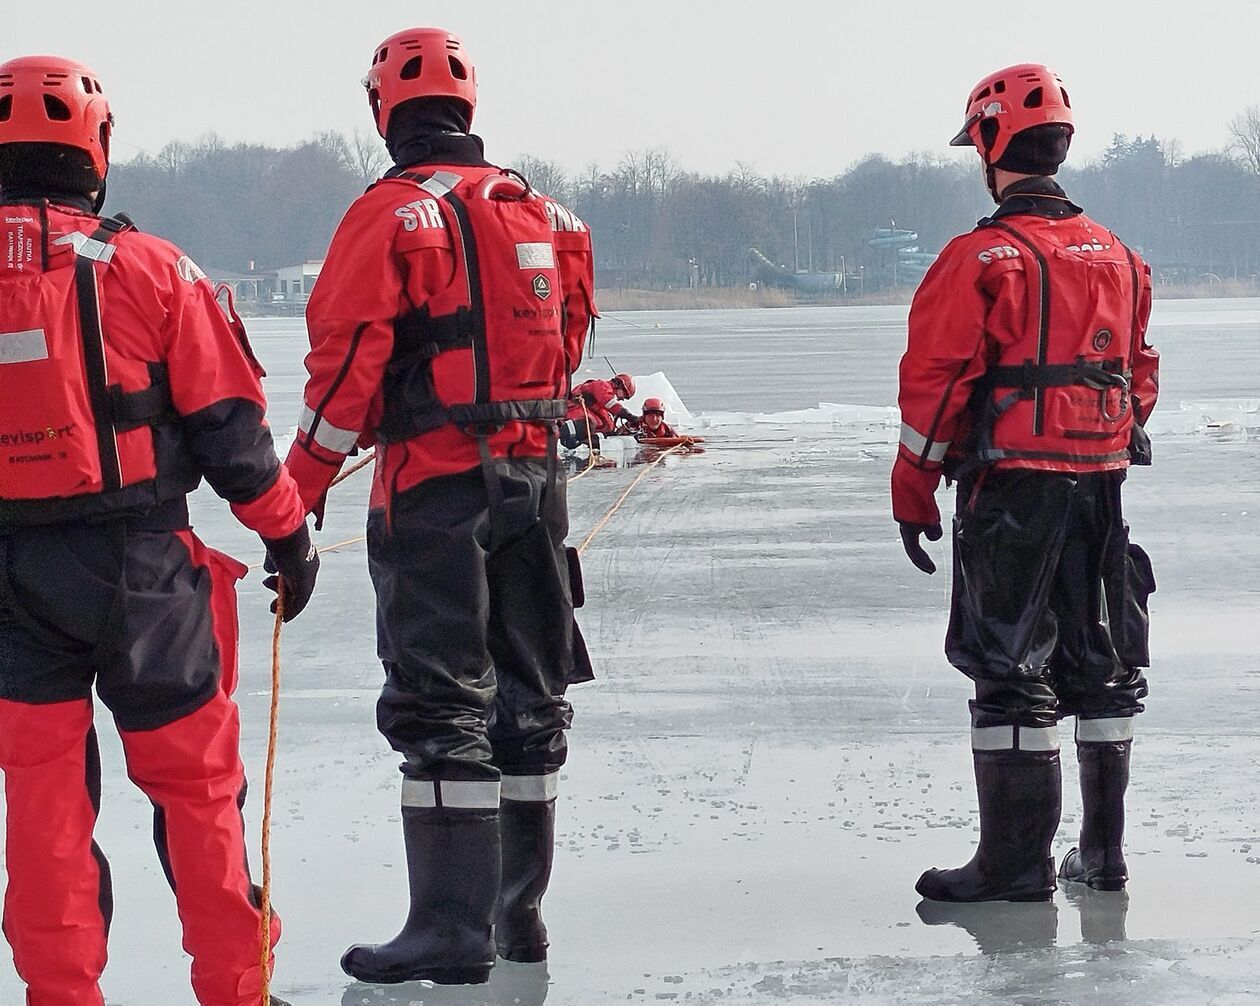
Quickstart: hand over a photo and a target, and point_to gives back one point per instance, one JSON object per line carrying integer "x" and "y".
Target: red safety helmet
{"x": 1012, "y": 100}
{"x": 48, "y": 99}
{"x": 627, "y": 385}
{"x": 653, "y": 405}
{"x": 419, "y": 63}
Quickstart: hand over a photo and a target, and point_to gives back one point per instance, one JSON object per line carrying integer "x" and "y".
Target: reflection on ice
{"x": 510, "y": 985}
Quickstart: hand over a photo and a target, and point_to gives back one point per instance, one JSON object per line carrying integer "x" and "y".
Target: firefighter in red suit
{"x": 595, "y": 407}
{"x": 122, "y": 386}
{"x": 653, "y": 425}
{"x": 453, "y": 305}
{"x": 1028, "y": 378}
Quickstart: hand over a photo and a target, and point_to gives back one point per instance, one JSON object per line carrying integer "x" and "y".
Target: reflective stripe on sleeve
{"x": 87, "y": 247}
{"x": 1104, "y": 731}
{"x": 460, "y": 794}
{"x": 329, "y": 437}
{"x": 531, "y": 788}
{"x": 1003, "y": 738}
{"x": 919, "y": 445}
{"x": 441, "y": 183}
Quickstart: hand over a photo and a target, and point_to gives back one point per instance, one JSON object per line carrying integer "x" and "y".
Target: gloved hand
{"x": 296, "y": 562}
{"x": 910, "y": 542}
{"x": 1140, "y": 449}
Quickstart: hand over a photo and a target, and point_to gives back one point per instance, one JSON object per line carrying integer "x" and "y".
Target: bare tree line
{"x": 657, "y": 224}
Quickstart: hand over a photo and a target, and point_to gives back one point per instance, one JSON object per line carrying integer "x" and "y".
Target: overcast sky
{"x": 798, "y": 88}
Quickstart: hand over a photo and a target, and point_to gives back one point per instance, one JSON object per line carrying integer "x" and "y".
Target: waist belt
{"x": 1029, "y": 376}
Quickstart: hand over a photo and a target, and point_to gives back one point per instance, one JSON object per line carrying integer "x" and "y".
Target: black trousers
{"x": 475, "y": 624}
{"x": 1049, "y": 600}
{"x": 129, "y": 610}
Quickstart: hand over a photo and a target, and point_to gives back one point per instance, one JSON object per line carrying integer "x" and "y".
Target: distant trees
{"x": 656, "y": 224}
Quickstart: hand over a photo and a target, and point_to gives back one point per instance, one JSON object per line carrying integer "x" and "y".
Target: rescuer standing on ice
{"x": 1028, "y": 379}
{"x": 122, "y": 386}
{"x": 453, "y": 306}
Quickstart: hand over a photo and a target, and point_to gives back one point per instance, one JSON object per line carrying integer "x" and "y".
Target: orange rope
{"x": 608, "y": 514}
{"x": 272, "y": 735}
{"x": 358, "y": 466}
{"x": 590, "y": 444}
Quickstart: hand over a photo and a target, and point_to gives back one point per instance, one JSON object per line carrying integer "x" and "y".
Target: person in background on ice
{"x": 1028, "y": 379}
{"x": 653, "y": 425}
{"x": 594, "y": 408}
{"x": 453, "y": 306}
{"x": 127, "y": 386}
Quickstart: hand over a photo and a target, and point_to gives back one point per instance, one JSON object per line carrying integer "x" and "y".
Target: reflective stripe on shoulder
{"x": 919, "y": 445}
{"x": 441, "y": 183}
{"x": 1014, "y": 738}
{"x": 531, "y": 788}
{"x": 329, "y": 437}
{"x": 1104, "y": 731}
{"x": 462, "y": 795}
{"x": 87, "y": 247}
{"x": 23, "y": 347}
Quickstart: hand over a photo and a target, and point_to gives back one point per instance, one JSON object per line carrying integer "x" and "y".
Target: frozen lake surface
{"x": 775, "y": 747}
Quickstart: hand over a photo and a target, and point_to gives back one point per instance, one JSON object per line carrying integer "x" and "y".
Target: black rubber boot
{"x": 528, "y": 832}
{"x": 1099, "y": 860}
{"x": 453, "y": 868}
{"x": 1020, "y": 800}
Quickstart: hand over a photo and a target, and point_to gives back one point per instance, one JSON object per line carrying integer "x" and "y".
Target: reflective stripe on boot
{"x": 527, "y": 826}
{"x": 1019, "y": 790}
{"x": 453, "y": 868}
{"x": 1103, "y": 750}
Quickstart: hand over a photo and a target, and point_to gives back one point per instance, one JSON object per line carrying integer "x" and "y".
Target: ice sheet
{"x": 775, "y": 746}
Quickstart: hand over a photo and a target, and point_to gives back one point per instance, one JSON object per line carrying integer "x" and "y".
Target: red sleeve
{"x": 946, "y": 353}
{"x": 350, "y": 317}
{"x": 216, "y": 389}
{"x": 1145, "y": 358}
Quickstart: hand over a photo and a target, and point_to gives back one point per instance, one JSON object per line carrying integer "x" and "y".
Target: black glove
{"x": 1140, "y": 450}
{"x": 295, "y": 560}
{"x": 910, "y": 541}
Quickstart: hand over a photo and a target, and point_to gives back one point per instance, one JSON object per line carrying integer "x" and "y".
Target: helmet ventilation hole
{"x": 6, "y": 107}
{"x": 1066, "y": 100}
{"x": 1033, "y": 99}
{"x": 56, "y": 109}
{"x": 410, "y": 69}
{"x": 458, "y": 70}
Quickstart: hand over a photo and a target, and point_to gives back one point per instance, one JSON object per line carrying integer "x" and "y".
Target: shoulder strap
{"x": 90, "y": 250}
{"x": 1043, "y": 317}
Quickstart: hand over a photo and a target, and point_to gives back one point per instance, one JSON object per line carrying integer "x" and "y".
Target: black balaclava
{"x": 1037, "y": 151}
{"x": 431, "y": 130}
{"x": 52, "y": 171}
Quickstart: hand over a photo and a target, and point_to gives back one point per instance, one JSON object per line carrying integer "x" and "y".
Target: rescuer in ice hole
{"x": 653, "y": 424}
{"x": 452, "y": 308}
{"x": 1027, "y": 379}
{"x": 132, "y": 386}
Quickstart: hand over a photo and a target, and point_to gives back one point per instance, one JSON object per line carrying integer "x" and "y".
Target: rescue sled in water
{"x": 665, "y": 443}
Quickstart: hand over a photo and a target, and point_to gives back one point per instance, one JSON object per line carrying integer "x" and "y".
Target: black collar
{"x": 457, "y": 149}
{"x": 30, "y": 197}
{"x": 1039, "y": 196}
